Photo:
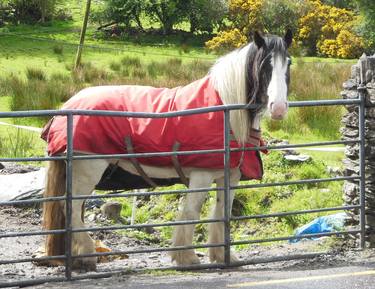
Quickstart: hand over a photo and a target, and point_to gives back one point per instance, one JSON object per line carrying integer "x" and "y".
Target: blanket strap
{"x": 177, "y": 165}
{"x": 135, "y": 163}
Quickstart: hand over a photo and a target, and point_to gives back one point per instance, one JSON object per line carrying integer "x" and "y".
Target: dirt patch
{"x": 14, "y": 168}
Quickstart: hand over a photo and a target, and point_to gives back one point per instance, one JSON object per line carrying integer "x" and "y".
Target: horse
{"x": 257, "y": 73}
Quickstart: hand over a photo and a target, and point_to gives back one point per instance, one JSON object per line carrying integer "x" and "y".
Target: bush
{"x": 246, "y": 16}
{"x": 58, "y": 49}
{"x": 330, "y": 31}
{"x": 32, "y": 11}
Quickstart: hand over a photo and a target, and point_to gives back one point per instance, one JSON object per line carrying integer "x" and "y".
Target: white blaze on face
{"x": 277, "y": 89}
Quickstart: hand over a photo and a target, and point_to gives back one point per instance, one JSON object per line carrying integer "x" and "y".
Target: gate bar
{"x": 362, "y": 169}
{"x": 69, "y": 200}
{"x": 227, "y": 193}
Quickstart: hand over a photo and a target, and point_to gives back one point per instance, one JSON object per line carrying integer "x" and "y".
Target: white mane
{"x": 229, "y": 80}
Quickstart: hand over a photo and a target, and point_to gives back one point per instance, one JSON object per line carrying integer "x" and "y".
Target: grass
{"x": 164, "y": 208}
{"x": 19, "y": 143}
{"x": 313, "y": 81}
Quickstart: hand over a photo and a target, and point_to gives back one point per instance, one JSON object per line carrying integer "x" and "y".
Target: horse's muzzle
{"x": 278, "y": 110}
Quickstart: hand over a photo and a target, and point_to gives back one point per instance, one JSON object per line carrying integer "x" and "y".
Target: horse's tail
{"x": 53, "y": 212}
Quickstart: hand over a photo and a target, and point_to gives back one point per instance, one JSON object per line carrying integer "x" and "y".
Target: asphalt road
{"x": 347, "y": 277}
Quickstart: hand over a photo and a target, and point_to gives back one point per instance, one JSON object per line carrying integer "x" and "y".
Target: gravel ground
{"x": 28, "y": 219}
{"x": 21, "y": 219}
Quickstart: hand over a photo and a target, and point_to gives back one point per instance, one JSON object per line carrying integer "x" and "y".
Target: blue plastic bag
{"x": 324, "y": 224}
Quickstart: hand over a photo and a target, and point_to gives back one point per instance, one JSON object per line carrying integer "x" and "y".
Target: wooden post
{"x": 83, "y": 34}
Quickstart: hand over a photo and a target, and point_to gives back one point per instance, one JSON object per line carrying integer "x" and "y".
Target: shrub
{"x": 330, "y": 31}
{"x": 58, "y": 49}
{"x": 246, "y": 16}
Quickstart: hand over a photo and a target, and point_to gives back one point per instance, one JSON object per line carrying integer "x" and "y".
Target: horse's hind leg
{"x": 86, "y": 174}
{"x": 216, "y": 230}
{"x": 183, "y": 234}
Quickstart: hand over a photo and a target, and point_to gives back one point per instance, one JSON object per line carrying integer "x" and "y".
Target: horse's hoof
{"x": 85, "y": 265}
{"x": 217, "y": 256}
{"x": 185, "y": 258}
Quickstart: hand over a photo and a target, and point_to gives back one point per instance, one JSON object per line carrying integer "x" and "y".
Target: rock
{"x": 91, "y": 217}
{"x": 149, "y": 230}
{"x": 297, "y": 158}
{"x": 1, "y": 166}
{"x": 111, "y": 210}
{"x": 22, "y": 186}
{"x": 93, "y": 203}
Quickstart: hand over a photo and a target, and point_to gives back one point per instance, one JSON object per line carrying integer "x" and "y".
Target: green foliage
{"x": 31, "y": 11}
{"x": 58, "y": 49}
{"x": 245, "y": 16}
{"x": 205, "y": 15}
{"x": 17, "y": 143}
{"x": 284, "y": 198}
{"x": 367, "y": 8}
{"x": 330, "y": 31}
{"x": 131, "y": 61}
{"x": 202, "y": 15}
{"x": 121, "y": 12}
{"x": 348, "y": 4}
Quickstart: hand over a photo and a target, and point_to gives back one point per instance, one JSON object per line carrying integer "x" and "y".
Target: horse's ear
{"x": 258, "y": 39}
{"x": 288, "y": 38}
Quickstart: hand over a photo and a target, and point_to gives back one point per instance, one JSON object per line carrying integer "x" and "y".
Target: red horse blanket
{"x": 106, "y": 135}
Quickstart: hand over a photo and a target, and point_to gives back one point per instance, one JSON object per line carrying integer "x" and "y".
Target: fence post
{"x": 361, "y": 84}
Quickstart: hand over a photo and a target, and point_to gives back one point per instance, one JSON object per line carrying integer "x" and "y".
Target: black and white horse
{"x": 256, "y": 73}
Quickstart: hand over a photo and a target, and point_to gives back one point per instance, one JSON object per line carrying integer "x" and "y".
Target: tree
{"x": 204, "y": 15}
{"x": 121, "y": 12}
{"x": 31, "y": 11}
{"x": 166, "y": 12}
{"x": 330, "y": 31}
{"x": 367, "y": 9}
{"x": 246, "y": 16}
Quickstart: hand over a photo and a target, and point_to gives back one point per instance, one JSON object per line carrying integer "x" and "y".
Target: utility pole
{"x": 83, "y": 34}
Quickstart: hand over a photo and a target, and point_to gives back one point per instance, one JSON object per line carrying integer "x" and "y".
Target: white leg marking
{"x": 86, "y": 174}
{"x": 192, "y": 204}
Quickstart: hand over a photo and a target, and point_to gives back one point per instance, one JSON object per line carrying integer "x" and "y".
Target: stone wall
{"x": 362, "y": 73}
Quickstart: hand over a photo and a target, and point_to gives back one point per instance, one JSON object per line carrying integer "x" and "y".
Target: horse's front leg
{"x": 191, "y": 207}
{"x": 216, "y": 230}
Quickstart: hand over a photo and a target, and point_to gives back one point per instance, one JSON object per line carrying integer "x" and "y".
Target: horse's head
{"x": 268, "y": 80}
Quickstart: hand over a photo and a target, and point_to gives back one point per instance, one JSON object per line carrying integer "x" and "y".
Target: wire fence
{"x": 227, "y": 219}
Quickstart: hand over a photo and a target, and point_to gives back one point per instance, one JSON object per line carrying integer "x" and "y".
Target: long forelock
{"x": 278, "y": 46}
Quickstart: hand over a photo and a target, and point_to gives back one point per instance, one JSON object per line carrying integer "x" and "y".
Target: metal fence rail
{"x": 226, "y": 220}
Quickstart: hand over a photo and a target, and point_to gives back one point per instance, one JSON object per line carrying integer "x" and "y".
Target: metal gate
{"x": 69, "y": 157}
